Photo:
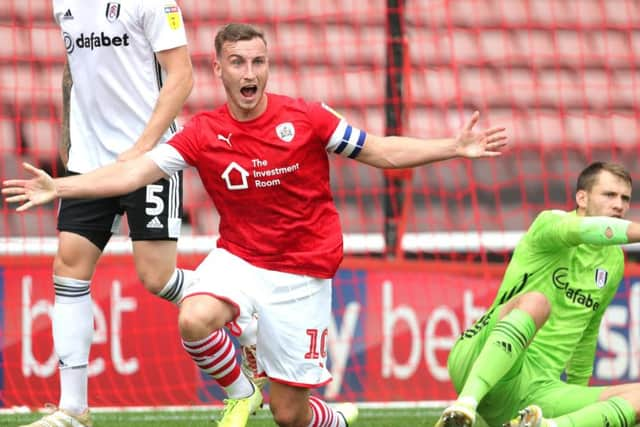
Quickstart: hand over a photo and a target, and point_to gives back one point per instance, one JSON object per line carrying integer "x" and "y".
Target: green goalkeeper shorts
{"x": 526, "y": 382}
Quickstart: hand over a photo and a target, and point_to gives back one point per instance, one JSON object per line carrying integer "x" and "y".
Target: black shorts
{"x": 154, "y": 212}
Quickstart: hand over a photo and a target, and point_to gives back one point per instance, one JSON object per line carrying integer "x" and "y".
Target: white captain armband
{"x": 346, "y": 140}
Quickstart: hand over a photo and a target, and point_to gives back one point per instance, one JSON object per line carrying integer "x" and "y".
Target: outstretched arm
{"x": 175, "y": 90}
{"x": 111, "y": 180}
{"x": 554, "y": 229}
{"x": 402, "y": 152}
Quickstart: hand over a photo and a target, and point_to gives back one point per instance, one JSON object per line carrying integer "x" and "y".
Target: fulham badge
{"x": 113, "y": 11}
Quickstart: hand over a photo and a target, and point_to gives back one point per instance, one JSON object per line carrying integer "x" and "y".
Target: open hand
{"x": 30, "y": 192}
{"x": 487, "y": 143}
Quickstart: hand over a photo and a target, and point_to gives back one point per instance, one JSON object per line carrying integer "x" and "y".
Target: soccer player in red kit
{"x": 263, "y": 160}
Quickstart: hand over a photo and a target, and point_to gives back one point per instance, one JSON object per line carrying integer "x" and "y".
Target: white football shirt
{"x": 116, "y": 77}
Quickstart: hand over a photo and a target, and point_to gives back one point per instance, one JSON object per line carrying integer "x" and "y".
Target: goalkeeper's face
{"x": 243, "y": 67}
{"x": 610, "y": 195}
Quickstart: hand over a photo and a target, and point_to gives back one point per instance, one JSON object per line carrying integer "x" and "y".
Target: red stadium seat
{"x": 18, "y": 83}
{"x": 207, "y": 92}
{"x": 435, "y": 86}
{"x": 369, "y": 11}
{"x": 427, "y": 122}
{"x": 547, "y": 127}
{"x": 431, "y": 47}
{"x": 498, "y": 47}
{"x": 427, "y": 14}
{"x": 371, "y": 120}
{"x": 337, "y": 44}
{"x": 588, "y": 128}
{"x": 626, "y": 129}
{"x": 7, "y": 135}
{"x": 482, "y": 86}
{"x": 45, "y": 42}
{"x": 14, "y": 42}
{"x": 27, "y": 11}
{"x": 626, "y": 88}
{"x": 513, "y": 13}
{"x": 535, "y": 47}
{"x": 342, "y": 45}
{"x": 522, "y": 88}
{"x": 472, "y": 13}
{"x": 41, "y": 136}
{"x": 622, "y": 13}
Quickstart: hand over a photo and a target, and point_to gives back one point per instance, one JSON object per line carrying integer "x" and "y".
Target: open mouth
{"x": 249, "y": 90}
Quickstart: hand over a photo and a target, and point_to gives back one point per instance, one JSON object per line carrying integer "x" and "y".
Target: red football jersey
{"x": 269, "y": 180}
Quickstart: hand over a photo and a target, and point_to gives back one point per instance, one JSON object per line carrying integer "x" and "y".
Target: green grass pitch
{"x": 405, "y": 417}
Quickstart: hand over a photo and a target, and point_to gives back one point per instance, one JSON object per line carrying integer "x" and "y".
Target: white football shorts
{"x": 293, "y": 315}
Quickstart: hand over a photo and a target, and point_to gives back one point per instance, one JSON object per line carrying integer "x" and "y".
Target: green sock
{"x": 615, "y": 412}
{"x": 505, "y": 344}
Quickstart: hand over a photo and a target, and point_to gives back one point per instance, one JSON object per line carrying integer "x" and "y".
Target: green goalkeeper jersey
{"x": 579, "y": 280}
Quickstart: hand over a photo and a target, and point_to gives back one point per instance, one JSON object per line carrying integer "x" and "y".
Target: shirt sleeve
{"x": 163, "y": 24}
{"x": 167, "y": 158}
{"x": 557, "y": 229}
{"x": 187, "y": 141}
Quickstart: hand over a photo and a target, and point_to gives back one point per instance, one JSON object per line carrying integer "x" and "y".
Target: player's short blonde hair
{"x": 589, "y": 175}
{"x": 236, "y": 32}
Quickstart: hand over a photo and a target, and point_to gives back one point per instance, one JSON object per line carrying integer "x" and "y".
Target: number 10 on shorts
{"x": 314, "y": 352}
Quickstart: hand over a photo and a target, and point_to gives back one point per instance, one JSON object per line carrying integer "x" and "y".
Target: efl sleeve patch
{"x": 173, "y": 16}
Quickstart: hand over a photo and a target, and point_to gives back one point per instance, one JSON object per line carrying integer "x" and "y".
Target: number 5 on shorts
{"x": 154, "y": 200}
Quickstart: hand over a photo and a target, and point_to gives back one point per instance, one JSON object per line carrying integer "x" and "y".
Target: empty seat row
{"x": 524, "y": 47}
{"x": 597, "y": 89}
{"x": 303, "y": 43}
{"x": 365, "y": 45}
{"x": 31, "y": 41}
{"x": 570, "y": 13}
{"x": 525, "y": 13}
{"x": 544, "y": 127}
{"x": 541, "y": 126}
{"x": 439, "y": 86}
{"x": 221, "y": 12}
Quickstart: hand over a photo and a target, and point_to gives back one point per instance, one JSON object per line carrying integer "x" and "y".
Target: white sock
{"x": 73, "y": 387}
{"x": 240, "y": 388}
{"x": 179, "y": 281}
{"x": 72, "y": 337}
{"x": 250, "y": 333}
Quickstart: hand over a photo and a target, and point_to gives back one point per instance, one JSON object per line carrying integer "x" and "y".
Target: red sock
{"x": 216, "y": 356}
{"x": 323, "y": 416}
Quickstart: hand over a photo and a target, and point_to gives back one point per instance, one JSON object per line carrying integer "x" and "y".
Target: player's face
{"x": 243, "y": 67}
{"x": 609, "y": 196}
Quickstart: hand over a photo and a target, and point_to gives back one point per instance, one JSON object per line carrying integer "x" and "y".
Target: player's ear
{"x": 581, "y": 199}
{"x": 217, "y": 68}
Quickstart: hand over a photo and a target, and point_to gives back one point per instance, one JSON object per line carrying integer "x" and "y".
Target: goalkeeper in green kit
{"x": 545, "y": 319}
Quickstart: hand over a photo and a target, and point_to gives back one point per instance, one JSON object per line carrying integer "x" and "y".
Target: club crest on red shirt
{"x": 286, "y": 131}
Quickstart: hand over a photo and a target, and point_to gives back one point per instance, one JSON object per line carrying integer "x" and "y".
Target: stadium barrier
{"x": 392, "y": 327}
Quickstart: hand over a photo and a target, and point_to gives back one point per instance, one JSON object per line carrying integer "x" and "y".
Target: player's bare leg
{"x": 295, "y": 407}
{"x": 155, "y": 262}
{"x": 201, "y": 321}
